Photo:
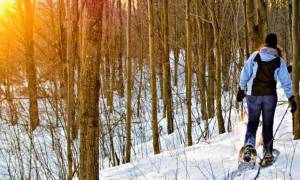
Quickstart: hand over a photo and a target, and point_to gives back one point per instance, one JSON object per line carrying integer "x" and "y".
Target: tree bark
{"x": 256, "y": 22}
{"x": 129, "y": 84}
{"x": 201, "y": 37}
{"x": 89, "y": 91}
{"x": 155, "y": 132}
{"x": 120, "y": 49}
{"x": 211, "y": 72}
{"x": 218, "y": 83}
{"x": 72, "y": 48}
{"x": 27, "y": 23}
{"x": 63, "y": 46}
{"x": 166, "y": 69}
{"x": 188, "y": 71}
{"x": 296, "y": 64}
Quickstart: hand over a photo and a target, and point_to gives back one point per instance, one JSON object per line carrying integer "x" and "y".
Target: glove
{"x": 290, "y": 68}
{"x": 240, "y": 95}
{"x": 293, "y": 104}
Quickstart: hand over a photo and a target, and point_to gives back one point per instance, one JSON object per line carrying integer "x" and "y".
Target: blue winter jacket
{"x": 267, "y": 54}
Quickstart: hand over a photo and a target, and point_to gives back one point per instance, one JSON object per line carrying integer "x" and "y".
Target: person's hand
{"x": 290, "y": 68}
{"x": 293, "y": 104}
{"x": 240, "y": 95}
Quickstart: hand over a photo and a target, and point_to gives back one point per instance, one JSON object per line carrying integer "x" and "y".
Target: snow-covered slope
{"x": 216, "y": 158}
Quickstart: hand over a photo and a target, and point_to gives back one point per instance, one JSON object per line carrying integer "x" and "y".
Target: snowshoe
{"x": 248, "y": 154}
{"x": 269, "y": 159}
{"x": 247, "y": 158}
{"x": 247, "y": 161}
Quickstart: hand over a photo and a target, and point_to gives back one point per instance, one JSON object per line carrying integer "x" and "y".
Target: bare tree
{"x": 25, "y": 9}
{"x": 72, "y": 48}
{"x": 217, "y": 23}
{"x": 166, "y": 69}
{"x": 89, "y": 91}
{"x": 296, "y": 64}
{"x": 256, "y": 21}
{"x": 155, "y": 132}
{"x": 129, "y": 84}
{"x": 188, "y": 71}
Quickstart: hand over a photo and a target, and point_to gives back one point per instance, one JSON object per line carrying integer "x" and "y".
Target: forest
{"x": 123, "y": 89}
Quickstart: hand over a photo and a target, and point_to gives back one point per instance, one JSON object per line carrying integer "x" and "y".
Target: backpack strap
{"x": 278, "y": 62}
{"x": 257, "y": 58}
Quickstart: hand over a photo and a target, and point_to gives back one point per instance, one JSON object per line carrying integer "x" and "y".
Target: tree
{"x": 246, "y": 28}
{"x": 211, "y": 72}
{"x": 89, "y": 91}
{"x": 63, "y": 46}
{"x": 188, "y": 71}
{"x": 26, "y": 10}
{"x": 129, "y": 84}
{"x": 217, "y": 25}
{"x": 120, "y": 49}
{"x": 296, "y": 64}
{"x": 72, "y": 48}
{"x": 166, "y": 69}
{"x": 154, "y": 123}
{"x": 256, "y": 21}
{"x": 201, "y": 49}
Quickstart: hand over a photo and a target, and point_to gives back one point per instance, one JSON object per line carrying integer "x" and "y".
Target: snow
{"x": 216, "y": 158}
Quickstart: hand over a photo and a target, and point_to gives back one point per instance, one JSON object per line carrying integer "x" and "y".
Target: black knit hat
{"x": 271, "y": 40}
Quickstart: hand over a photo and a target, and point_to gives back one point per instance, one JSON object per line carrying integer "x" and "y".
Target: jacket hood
{"x": 268, "y": 54}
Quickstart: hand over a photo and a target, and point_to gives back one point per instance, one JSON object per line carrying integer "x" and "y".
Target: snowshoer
{"x": 260, "y": 73}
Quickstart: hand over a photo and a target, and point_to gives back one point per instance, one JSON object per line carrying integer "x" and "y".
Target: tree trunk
{"x": 218, "y": 83}
{"x": 27, "y": 23}
{"x": 188, "y": 71}
{"x": 166, "y": 69}
{"x": 72, "y": 56}
{"x": 129, "y": 84}
{"x": 89, "y": 91}
{"x": 256, "y": 22}
{"x": 120, "y": 49}
{"x": 63, "y": 46}
{"x": 211, "y": 72}
{"x": 296, "y": 64}
{"x": 155, "y": 132}
{"x": 176, "y": 48}
{"x": 246, "y": 29}
{"x": 201, "y": 37}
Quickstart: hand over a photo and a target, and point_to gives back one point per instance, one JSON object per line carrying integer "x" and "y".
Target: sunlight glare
{"x": 5, "y": 4}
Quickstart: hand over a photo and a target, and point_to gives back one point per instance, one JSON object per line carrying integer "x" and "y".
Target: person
{"x": 260, "y": 74}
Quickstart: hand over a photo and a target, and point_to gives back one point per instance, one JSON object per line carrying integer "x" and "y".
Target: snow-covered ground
{"x": 216, "y": 158}
{"x": 43, "y": 156}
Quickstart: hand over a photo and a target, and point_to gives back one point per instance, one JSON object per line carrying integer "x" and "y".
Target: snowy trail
{"x": 216, "y": 159}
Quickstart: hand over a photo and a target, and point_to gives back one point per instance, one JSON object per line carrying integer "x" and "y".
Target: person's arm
{"x": 285, "y": 79}
{"x": 247, "y": 71}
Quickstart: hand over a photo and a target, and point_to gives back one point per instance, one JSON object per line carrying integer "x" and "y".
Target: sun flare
{"x": 5, "y": 4}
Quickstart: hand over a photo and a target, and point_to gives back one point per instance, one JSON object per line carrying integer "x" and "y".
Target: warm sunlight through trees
{"x": 86, "y": 85}
{"x": 4, "y": 4}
